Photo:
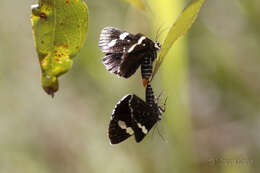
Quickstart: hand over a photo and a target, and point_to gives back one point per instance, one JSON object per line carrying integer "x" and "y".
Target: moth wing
{"x": 144, "y": 118}
{"x": 121, "y": 116}
{"x": 135, "y": 55}
{"x": 132, "y": 60}
{"x": 112, "y": 62}
{"x": 114, "y": 40}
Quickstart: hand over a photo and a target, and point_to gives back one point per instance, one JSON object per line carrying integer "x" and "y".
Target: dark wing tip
{"x": 106, "y": 35}
{"x": 112, "y": 62}
{"x": 110, "y": 42}
{"x": 139, "y": 136}
{"x": 121, "y": 112}
{"x": 108, "y": 32}
{"x": 115, "y": 133}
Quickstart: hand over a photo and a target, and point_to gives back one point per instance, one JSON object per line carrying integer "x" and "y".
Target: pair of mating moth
{"x": 124, "y": 53}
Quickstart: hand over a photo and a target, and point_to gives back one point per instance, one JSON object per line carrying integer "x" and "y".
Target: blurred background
{"x": 211, "y": 78}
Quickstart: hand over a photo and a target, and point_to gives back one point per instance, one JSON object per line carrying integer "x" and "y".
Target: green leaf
{"x": 178, "y": 29}
{"x": 59, "y": 30}
{"x": 137, "y": 3}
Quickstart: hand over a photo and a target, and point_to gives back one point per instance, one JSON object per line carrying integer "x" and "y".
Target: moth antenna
{"x": 160, "y": 31}
{"x": 154, "y": 129}
{"x": 159, "y": 133}
{"x": 159, "y": 97}
{"x": 164, "y": 29}
{"x": 164, "y": 104}
{"x": 165, "y": 100}
{"x": 157, "y": 33}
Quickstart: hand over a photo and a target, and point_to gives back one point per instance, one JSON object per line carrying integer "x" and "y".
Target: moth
{"x": 133, "y": 116}
{"x": 125, "y": 52}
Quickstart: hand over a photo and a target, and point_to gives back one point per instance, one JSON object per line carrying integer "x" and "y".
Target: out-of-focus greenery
{"x": 211, "y": 77}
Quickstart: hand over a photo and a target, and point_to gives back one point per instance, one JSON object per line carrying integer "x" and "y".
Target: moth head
{"x": 157, "y": 45}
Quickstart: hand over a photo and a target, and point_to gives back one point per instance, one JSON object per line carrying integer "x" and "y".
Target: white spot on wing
{"x": 111, "y": 43}
{"x": 131, "y": 48}
{"x": 123, "y": 36}
{"x": 144, "y": 130}
{"x": 141, "y": 39}
{"x": 129, "y": 130}
{"x": 138, "y": 43}
{"x": 122, "y": 125}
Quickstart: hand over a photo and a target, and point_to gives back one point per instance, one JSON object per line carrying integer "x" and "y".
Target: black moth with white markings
{"x": 133, "y": 116}
{"x": 125, "y": 52}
